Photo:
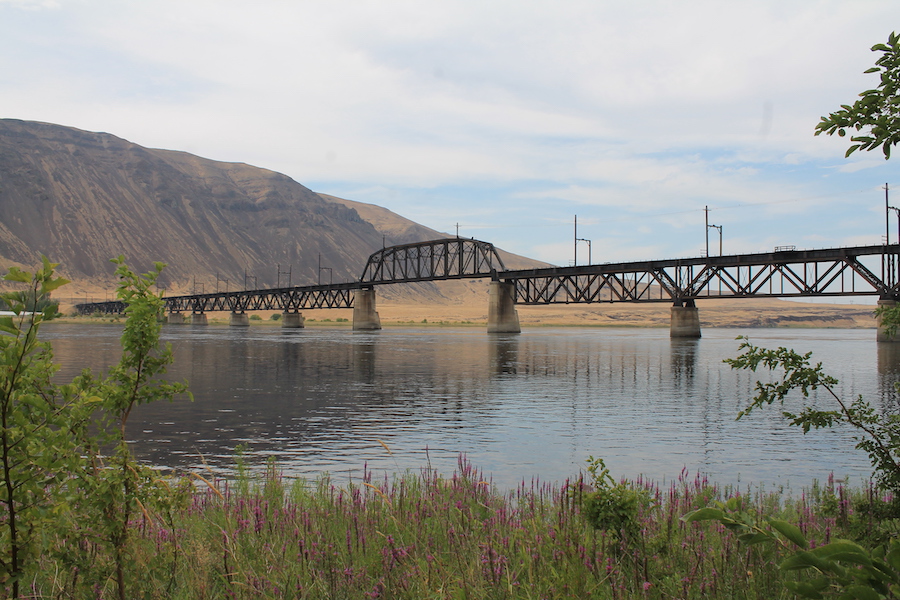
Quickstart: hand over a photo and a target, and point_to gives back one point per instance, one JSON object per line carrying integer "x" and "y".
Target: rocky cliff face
{"x": 82, "y": 198}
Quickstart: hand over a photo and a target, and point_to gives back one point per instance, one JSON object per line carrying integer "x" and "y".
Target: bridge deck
{"x": 779, "y": 274}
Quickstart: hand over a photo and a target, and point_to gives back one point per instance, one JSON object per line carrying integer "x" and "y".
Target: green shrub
{"x": 612, "y": 506}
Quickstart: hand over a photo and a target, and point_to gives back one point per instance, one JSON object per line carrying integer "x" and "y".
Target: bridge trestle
{"x": 784, "y": 273}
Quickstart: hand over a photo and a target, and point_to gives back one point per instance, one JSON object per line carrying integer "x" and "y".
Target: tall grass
{"x": 423, "y": 535}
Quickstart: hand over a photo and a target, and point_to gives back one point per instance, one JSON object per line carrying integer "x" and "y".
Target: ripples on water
{"x": 520, "y": 406}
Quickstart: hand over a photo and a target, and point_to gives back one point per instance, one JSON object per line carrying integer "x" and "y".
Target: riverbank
{"x": 747, "y": 314}
{"x": 428, "y": 536}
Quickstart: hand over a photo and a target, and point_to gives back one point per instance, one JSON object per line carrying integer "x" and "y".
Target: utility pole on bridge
{"x": 280, "y": 273}
{"x": 708, "y": 227}
{"x": 887, "y": 215}
{"x": 329, "y": 269}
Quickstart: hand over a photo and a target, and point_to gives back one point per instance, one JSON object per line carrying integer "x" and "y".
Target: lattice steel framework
{"x": 338, "y": 295}
{"x": 779, "y": 274}
{"x": 783, "y": 274}
{"x": 451, "y": 258}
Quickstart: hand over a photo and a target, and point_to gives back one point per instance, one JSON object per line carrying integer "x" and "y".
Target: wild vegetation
{"x": 70, "y": 485}
{"x": 83, "y": 520}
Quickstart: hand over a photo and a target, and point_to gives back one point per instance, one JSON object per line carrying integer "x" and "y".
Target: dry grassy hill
{"x": 82, "y": 198}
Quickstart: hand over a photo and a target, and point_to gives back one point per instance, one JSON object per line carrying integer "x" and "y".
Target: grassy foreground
{"x": 427, "y": 536}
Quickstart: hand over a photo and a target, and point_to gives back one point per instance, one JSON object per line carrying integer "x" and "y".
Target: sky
{"x": 506, "y": 119}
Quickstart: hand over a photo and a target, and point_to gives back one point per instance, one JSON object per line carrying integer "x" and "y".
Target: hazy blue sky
{"x": 506, "y": 117}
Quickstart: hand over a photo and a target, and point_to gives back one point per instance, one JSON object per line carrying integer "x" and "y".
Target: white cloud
{"x": 648, "y": 108}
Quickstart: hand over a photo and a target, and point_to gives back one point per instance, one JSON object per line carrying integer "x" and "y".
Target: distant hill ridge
{"x": 82, "y": 198}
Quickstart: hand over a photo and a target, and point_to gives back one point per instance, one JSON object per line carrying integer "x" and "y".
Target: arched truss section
{"x": 451, "y": 258}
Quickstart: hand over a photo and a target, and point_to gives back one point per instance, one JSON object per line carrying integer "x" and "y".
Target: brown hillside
{"x": 82, "y": 198}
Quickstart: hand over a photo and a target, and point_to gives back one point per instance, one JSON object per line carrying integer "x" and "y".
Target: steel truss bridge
{"x": 781, "y": 274}
{"x": 450, "y": 258}
{"x": 784, "y": 273}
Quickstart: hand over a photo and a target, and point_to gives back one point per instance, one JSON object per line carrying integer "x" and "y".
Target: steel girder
{"x": 779, "y": 274}
{"x": 451, "y": 258}
{"x": 785, "y": 274}
{"x": 284, "y": 299}
{"x": 113, "y": 307}
{"x": 291, "y": 299}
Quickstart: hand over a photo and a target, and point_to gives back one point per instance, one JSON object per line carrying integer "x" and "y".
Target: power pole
{"x": 708, "y": 227}
{"x": 706, "y": 210}
{"x": 887, "y": 214}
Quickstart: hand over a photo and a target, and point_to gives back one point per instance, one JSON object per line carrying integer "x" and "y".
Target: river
{"x": 533, "y": 405}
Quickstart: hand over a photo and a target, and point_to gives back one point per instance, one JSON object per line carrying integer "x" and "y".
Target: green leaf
{"x": 841, "y": 548}
{"x": 805, "y": 560}
{"x": 6, "y": 324}
{"x": 16, "y": 274}
{"x": 861, "y": 592}
{"x": 704, "y": 514}
{"x": 807, "y": 589}
{"x": 791, "y": 532}
{"x": 752, "y": 539}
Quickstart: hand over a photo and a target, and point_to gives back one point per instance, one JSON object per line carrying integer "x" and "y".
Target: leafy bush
{"x": 613, "y": 506}
{"x": 67, "y": 470}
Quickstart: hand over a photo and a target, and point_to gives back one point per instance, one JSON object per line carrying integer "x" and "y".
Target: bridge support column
{"x": 502, "y": 314}
{"x": 292, "y": 320}
{"x": 685, "y": 320}
{"x": 882, "y": 335}
{"x": 364, "y": 315}
{"x": 239, "y": 319}
{"x": 175, "y": 318}
{"x": 199, "y": 319}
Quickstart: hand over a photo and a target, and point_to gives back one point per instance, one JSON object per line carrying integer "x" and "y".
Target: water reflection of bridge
{"x": 783, "y": 273}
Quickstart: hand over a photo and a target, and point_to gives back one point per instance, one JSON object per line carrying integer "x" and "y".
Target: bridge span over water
{"x": 782, "y": 273}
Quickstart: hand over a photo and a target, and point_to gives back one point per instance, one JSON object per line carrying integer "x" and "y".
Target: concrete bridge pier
{"x": 364, "y": 315}
{"x": 685, "y": 321}
{"x": 502, "y": 314}
{"x": 881, "y": 334}
{"x": 199, "y": 318}
{"x": 239, "y": 319}
{"x": 175, "y": 318}
{"x": 292, "y": 320}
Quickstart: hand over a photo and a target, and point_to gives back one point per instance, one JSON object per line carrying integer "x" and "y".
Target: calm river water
{"x": 519, "y": 406}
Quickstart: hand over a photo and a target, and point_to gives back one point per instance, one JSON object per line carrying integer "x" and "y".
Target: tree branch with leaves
{"x": 877, "y": 435}
{"x": 876, "y": 115}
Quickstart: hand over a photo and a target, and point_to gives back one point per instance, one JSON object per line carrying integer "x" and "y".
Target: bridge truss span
{"x": 449, "y": 258}
{"x": 857, "y": 271}
{"x": 339, "y": 295}
{"x": 284, "y": 299}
